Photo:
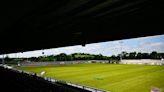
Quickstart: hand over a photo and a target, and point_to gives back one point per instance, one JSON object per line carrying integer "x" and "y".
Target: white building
{"x": 142, "y": 61}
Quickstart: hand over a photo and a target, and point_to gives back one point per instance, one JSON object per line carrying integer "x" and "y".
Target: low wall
{"x": 43, "y": 63}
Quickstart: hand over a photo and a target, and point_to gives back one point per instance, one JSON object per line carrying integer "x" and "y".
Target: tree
{"x": 145, "y": 56}
{"x": 139, "y": 55}
{"x": 154, "y": 55}
{"x": 124, "y": 54}
{"x": 61, "y": 57}
{"x": 132, "y": 55}
{"x": 7, "y": 58}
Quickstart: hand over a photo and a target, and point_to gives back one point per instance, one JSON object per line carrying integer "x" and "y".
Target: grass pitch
{"x": 112, "y": 77}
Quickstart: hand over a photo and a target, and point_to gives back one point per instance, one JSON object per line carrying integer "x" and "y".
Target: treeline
{"x": 71, "y": 57}
{"x": 86, "y": 56}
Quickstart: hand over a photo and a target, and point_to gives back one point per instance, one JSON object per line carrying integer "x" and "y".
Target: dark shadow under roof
{"x": 41, "y": 24}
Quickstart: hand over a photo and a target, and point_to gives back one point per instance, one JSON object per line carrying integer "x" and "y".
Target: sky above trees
{"x": 143, "y": 44}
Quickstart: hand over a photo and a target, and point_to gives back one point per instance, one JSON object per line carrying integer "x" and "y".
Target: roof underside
{"x": 41, "y": 24}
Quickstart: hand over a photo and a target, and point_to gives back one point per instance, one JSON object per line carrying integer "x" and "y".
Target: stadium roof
{"x": 41, "y": 24}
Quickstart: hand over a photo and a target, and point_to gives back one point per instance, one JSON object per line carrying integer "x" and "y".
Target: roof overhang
{"x": 33, "y": 25}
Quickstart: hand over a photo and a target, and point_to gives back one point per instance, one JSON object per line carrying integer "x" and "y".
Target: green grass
{"x": 112, "y": 77}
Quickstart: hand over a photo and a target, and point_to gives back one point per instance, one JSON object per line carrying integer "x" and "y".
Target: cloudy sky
{"x": 144, "y": 44}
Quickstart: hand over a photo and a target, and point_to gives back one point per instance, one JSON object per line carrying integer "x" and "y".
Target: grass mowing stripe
{"x": 117, "y": 78}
